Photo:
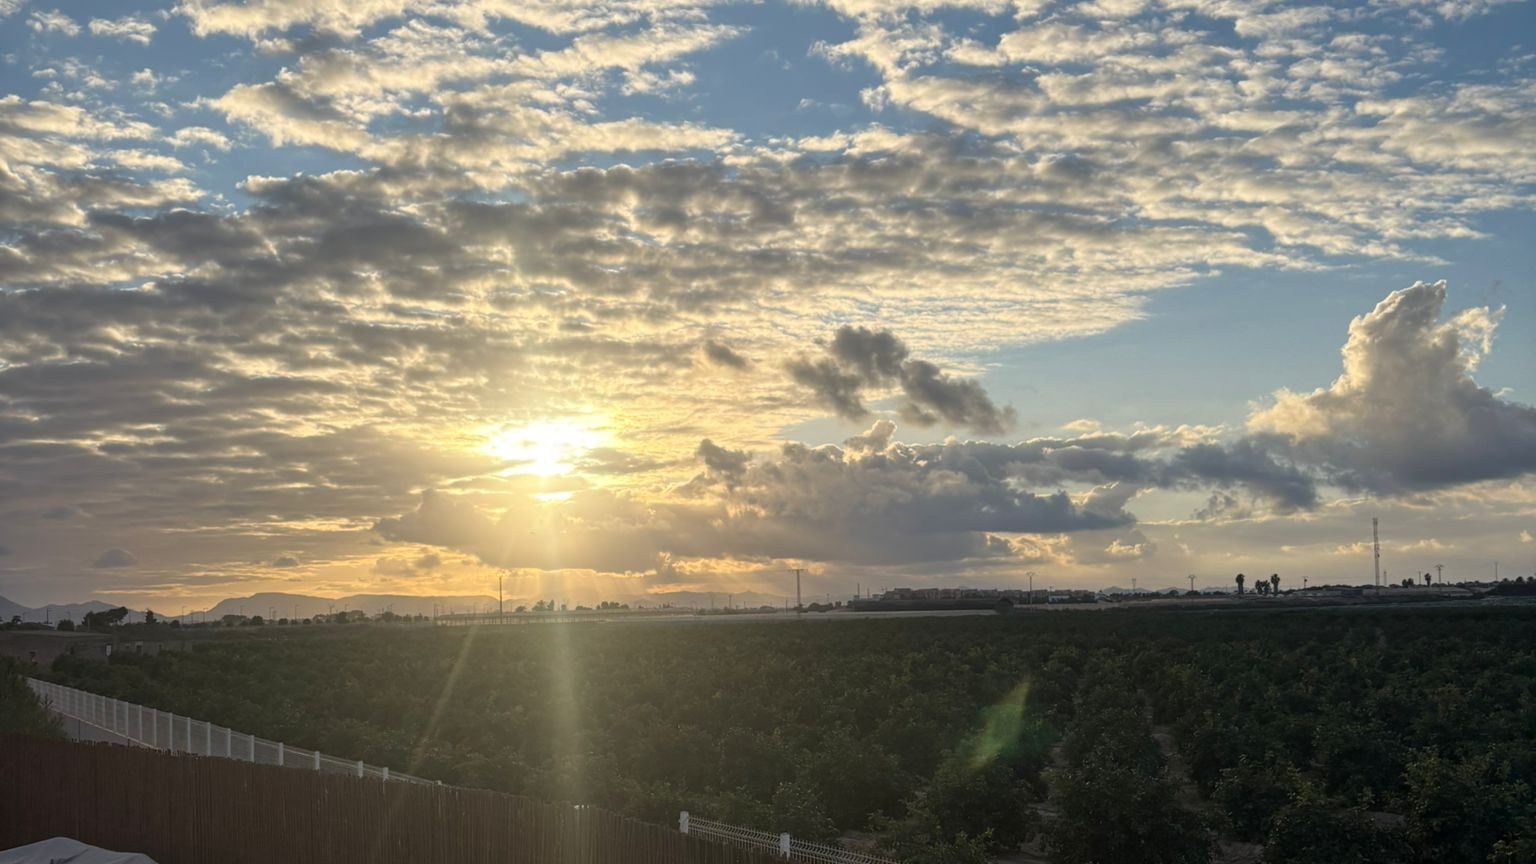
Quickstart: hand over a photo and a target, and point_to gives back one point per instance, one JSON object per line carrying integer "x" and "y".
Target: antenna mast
{"x": 1376, "y": 548}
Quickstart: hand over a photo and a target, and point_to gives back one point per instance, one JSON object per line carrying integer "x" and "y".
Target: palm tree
{"x": 1274, "y": 583}
{"x": 1240, "y": 580}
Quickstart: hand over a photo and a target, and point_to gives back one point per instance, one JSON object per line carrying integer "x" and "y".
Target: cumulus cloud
{"x": 115, "y": 557}
{"x": 285, "y": 561}
{"x": 859, "y": 358}
{"x": 1406, "y": 414}
{"x": 53, "y": 21}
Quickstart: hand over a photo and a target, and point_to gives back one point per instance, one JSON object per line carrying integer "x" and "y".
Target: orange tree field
{"x": 1385, "y": 735}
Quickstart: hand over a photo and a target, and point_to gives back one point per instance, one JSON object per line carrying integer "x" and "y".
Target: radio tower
{"x": 1376, "y": 549}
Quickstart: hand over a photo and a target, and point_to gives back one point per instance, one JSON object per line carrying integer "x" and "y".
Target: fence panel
{"x": 149, "y": 727}
{"x": 182, "y": 809}
{"x": 780, "y": 846}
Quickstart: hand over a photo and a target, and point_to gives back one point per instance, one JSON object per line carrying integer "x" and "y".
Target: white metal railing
{"x": 782, "y": 845}
{"x": 160, "y": 730}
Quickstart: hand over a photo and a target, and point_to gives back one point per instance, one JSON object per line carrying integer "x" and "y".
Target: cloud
{"x": 53, "y": 21}
{"x": 1405, "y": 414}
{"x": 722, "y": 355}
{"x": 192, "y": 136}
{"x": 1251, "y": 464}
{"x": 285, "y": 561}
{"x": 113, "y": 558}
{"x": 858, "y": 357}
{"x": 131, "y": 28}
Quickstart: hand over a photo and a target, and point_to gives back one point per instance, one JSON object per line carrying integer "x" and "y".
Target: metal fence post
{"x": 317, "y": 760}
{"x": 280, "y": 754}
{"x": 784, "y": 844}
{"x": 228, "y": 752}
{"x": 251, "y": 739}
{"x": 359, "y": 767}
{"x": 386, "y": 773}
{"x": 140, "y": 737}
{"x": 189, "y": 734}
{"x": 207, "y": 738}
{"x": 170, "y": 732}
{"x": 154, "y": 727}
{"x": 682, "y": 822}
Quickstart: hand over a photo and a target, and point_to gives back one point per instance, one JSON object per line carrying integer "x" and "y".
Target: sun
{"x": 545, "y": 448}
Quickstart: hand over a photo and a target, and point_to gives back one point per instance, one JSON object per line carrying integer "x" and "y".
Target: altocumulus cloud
{"x": 115, "y": 557}
{"x": 858, "y": 359}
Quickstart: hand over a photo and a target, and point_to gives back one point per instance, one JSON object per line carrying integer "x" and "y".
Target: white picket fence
{"x": 782, "y": 845}
{"x": 161, "y": 730}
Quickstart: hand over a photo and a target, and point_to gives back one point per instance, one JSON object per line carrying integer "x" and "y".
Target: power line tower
{"x": 1191, "y": 583}
{"x": 1376, "y": 548}
{"x": 1439, "y": 574}
{"x": 798, "y": 571}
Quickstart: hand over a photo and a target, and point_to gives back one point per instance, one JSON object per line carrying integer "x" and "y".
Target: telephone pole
{"x": 1191, "y": 583}
{"x": 501, "y": 609}
{"x": 1376, "y": 549}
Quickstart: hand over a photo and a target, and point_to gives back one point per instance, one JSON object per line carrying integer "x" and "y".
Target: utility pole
{"x": 799, "y": 607}
{"x": 1440, "y": 574}
{"x": 1376, "y": 549}
{"x": 1031, "y": 587}
{"x": 1133, "y": 584}
{"x": 1495, "y": 571}
{"x": 1191, "y": 583}
{"x": 501, "y": 609}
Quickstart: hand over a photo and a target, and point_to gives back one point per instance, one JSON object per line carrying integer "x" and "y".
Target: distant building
{"x": 45, "y": 646}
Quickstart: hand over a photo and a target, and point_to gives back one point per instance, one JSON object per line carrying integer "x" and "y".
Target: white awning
{"x": 62, "y": 850}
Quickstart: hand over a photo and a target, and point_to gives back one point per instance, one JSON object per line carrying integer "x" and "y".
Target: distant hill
{"x": 288, "y": 605}
{"x": 307, "y": 606}
{"x": 57, "y": 611}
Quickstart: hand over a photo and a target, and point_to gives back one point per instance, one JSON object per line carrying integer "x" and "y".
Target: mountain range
{"x": 284, "y": 605}
{"x": 54, "y": 611}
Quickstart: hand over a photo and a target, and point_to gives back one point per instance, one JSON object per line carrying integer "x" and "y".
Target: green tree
{"x": 1312, "y": 831}
{"x": 799, "y": 810}
{"x": 1250, "y": 793}
{"x": 20, "y": 711}
{"x": 1457, "y": 811}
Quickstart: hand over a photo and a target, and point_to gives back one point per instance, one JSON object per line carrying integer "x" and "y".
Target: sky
{"x": 615, "y": 299}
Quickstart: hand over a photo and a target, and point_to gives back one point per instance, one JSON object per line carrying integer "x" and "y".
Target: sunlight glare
{"x": 545, "y": 448}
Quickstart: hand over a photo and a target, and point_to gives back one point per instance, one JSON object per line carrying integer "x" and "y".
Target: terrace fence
{"x": 182, "y": 809}
{"x": 126, "y": 722}
{"x": 781, "y": 846}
